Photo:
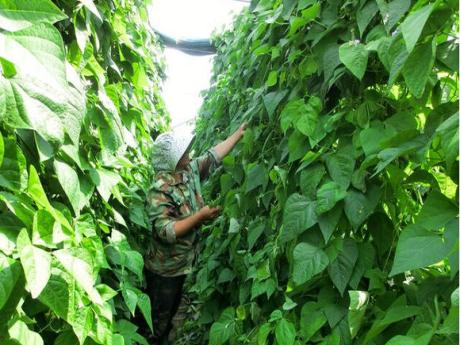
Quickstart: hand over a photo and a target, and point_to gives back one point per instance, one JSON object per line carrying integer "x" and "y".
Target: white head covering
{"x": 169, "y": 148}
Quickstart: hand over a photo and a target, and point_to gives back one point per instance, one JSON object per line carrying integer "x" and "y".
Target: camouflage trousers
{"x": 168, "y": 306}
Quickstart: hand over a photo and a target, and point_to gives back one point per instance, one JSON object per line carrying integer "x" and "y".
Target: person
{"x": 176, "y": 209}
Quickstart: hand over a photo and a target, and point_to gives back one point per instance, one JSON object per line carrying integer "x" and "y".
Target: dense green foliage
{"x": 79, "y": 101}
{"x": 340, "y": 205}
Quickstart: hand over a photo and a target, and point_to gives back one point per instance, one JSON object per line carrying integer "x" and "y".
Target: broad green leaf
{"x": 310, "y": 177}
{"x": 291, "y": 112}
{"x": 358, "y": 305}
{"x": 448, "y": 133}
{"x": 23, "y": 335}
{"x": 257, "y": 176}
{"x": 13, "y": 171}
{"x": 81, "y": 271}
{"x": 272, "y": 100}
{"x": 418, "y": 248}
{"x": 365, "y": 262}
{"x": 340, "y": 166}
{"x": 413, "y": 25}
{"x": 39, "y": 97}
{"x": 10, "y": 271}
{"x": 308, "y": 260}
{"x": 104, "y": 181}
{"x": 254, "y": 233}
{"x": 143, "y": 302}
{"x": 46, "y": 231}
{"x": 396, "y": 55}
{"x": 36, "y": 190}
{"x": 19, "y": 14}
{"x": 223, "y": 329}
{"x": 2, "y": 149}
{"x": 68, "y": 179}
{"x": 89, "y": 4}
{"x": 36, "y": 264}
{"x": 328, "y": 221}
{"x": 418, "y": 67}
{"x": 263, "y": 333}
{"x": 394, "y": 313}
{"x": 359, "y": 206}
{"x": 57, "y": 294}
{"x": 328, "y": 195}
{"x": 299, "y": 215}
{"x": 311, "y": 320}
{"x": 130, "y": 298}
{"x": 285, "y": 332}
{"x": 341, "y": 269}
{"x": 365, "y": 15}
{"x": 272, "y": 78}
{"x": 354, "y": 57}
{"x": 436, "y": 212}
{"x": 307, "y": 121}
{"x": 392, "y": 12}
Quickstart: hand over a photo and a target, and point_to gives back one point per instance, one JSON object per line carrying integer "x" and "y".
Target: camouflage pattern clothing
{"x": 175, "y": 195}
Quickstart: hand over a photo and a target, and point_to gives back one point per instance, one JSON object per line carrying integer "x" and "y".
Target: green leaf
{"x": 290, "y": 113}
{"x": 285, "y": 332}
{"x": 254, "y": 232}
{"x": 36, "y": 263}
{"x": 311, "y": 320}
{"x": 263, "y": 333}
{"x": 417, "y": 248}
{"x": 257, "y": 176}
{"x": 340, "y": 166}
{"x": 23, "y": 335}
{"x": 310, "y": 177}
{"x": 223, "y": 329}
{"x": 392, "y": 12}
{"x": 143, "y": 302}
{"x": 358, "y": 305}
{"x": 68, "y": 179}
{"x": 299, "y": 215}
{"x": 365, "y": 15}
{"x": 308, "y": 260}
{"x": 272, "y": 78}
{"x": 418, "y": 67}
{"x": 19, "y": 14}
{"x": 359, "y": 206}
{"x": 307, "y": 121}
{"x": 354, "y": 57}
{"x": 328, "y": 195}
{"x": 2, "y": 149}
{"x": 104, "y": 181}
{"x": 341, "y": 269}
{"x": 272, "y": 100}
{"x": 81, "y": 271}
{"x": 40, "y": 97}
{"x": 57, "y": 293}
{"x": 10, "y": 271}
{"x": 328, "y": 221}
{"x": 36, "y": 190}
{"x": 437, "y": 211}
{"x": 413, "y": 25}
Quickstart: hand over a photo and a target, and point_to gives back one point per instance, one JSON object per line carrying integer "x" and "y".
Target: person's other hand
{"x": 208, "y": 213}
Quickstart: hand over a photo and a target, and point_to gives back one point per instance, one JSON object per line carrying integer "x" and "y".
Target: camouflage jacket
{"x": 175, "y": 195}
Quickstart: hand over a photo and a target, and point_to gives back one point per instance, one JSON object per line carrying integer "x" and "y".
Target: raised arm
{"x": 224, "y": 147}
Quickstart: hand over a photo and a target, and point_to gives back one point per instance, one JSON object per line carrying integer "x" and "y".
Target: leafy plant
{"x": 345, "y": 185}
{"x": 79, "y": 101}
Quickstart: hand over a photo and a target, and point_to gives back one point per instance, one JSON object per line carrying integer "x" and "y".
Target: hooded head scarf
{"x": 169, "y": 148}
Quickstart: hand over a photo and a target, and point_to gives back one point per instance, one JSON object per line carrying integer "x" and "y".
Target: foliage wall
{"x": 340, "y": 204}
{"x": 79, "y": 101}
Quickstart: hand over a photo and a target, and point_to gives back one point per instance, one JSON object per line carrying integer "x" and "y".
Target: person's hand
{"x": 208, "y": 213}
{"x": 241, "y": 129}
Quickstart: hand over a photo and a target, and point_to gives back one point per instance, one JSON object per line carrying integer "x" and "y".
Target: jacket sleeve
{"x": 207, "y": 163}
{"x": 160, "y": 210}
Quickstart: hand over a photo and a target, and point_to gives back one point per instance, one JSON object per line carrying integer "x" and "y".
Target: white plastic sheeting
{"x": 187, "y": 75}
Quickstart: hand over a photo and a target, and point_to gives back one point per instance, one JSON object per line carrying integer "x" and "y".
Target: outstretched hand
{"x": 208, "y": 213}
{"x": 241, "y": 129}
